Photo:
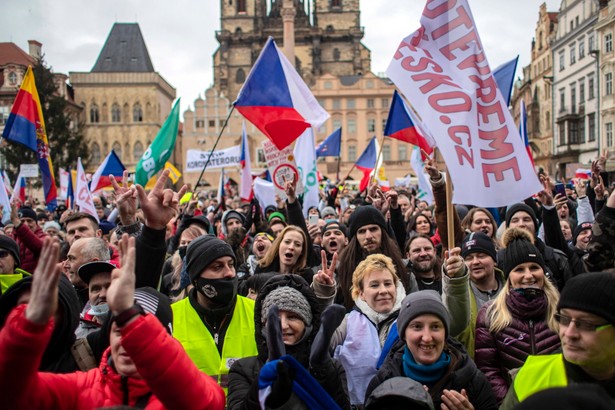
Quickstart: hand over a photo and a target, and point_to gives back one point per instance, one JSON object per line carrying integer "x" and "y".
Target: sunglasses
{"x": 582, "y": 325}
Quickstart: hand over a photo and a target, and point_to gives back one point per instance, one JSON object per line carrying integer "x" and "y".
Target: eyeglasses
{"x": 582, "y": 325}
{"x": 4, "y": 254}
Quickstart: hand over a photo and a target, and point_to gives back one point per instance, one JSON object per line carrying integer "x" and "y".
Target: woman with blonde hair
{"x": 520, "y": 321}
{"x": 362, "y": 340}
{"x": 288, "y": 254}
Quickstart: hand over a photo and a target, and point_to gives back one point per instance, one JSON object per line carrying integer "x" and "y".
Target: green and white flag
{"x": 160, "y": 149}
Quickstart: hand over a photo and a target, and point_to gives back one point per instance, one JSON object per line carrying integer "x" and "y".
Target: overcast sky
{"x": 180, "y": 35}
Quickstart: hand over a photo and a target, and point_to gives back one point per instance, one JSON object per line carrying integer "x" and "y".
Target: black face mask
{"x": 530, "y": 293}
{"x": 219, "y": 291}
{"x": 182, "y": 251}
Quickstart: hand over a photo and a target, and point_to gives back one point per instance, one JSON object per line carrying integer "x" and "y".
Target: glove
{"x": 329, "y": 321}
{"x": 282, "y": 387}
{"x": 273, "y": 334}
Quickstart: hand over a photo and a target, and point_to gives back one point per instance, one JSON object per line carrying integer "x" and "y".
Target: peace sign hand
{"x": 326, "y": 275}
{"x": 290, "y": 188}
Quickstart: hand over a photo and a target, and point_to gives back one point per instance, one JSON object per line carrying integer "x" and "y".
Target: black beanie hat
{"x": 591, "y": 293}
{"x": 513, "y": 209}
{"x": 27, "y": 212}
{"x": 365, "y": 215}
{"x": 11, "y": 246}
{"x": 335, "y": 225}
{"x": 580, "y": 228}
{"x": 478, "y": 242}
{"x": 519, "y": 248}
{"x": 203, "y": 251}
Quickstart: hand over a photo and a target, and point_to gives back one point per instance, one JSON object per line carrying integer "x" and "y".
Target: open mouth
{"x": 289, "y": 255}
{"x": 260, "y": 247}
{"x": 333, "y": 244}
{"x": 427, "y": 348}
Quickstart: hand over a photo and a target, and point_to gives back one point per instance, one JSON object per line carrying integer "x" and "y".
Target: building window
{"x": 573, "y": 132}
{"x": 590, "y": 43}
{"x": 402, "y": 149}
{"x": 582, "y": 130}
{"x": 95, "y": 153}
{"x": 609, "y": 134}
{"x": 562, "y": 134}
{"x": 117, "y": 148}
{"x": 386, "y": 152}
{"x": 581, "y": 48}
{"x": 573, "y": 54}
{"x": 137, "y": 113}
{"x": 200, "y": 123}
{"x": 562, "y": 100}
{"x": 352, "y": 125}
{"x": 337, "y": 123}
{"x": 608, "y": 84}
{"x": 561, "y": 61}
{"x": 337, "y": 104}
{"x": 548, "y": 119}
{"x": 241, "y": 6}
{"x": 590, "y": 87}
{"x": 573, "y": 98}
{"x": 370, "y": 84}
{"x": 591, "y": 127}
{"x": 240, "y": 76}
{"x": 94, "y": 114}
{"x": 352, "y": 153}
{"x": 137, "y": 151}
{"x": 336, "y": 3}
{"x": 371, "y": 125}
{"x": 608, "y": 43}
{"x": 328, "y": 85}
{"x": 12, "y": 78}
{"x": 370, "y": 103}
{"x": 581, "y": 90}
{"x": 212, "y": 123}
{"x": 116, "y": 113}
{"x": 384, "y": 123}
{"x": 336, "y": 54}
{"x": 351, "y": 103}
{"x": 5, "y": 111}
{"x": 385, "y": 103}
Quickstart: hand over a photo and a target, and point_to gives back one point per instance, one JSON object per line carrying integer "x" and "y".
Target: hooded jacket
{"x": 170, "y": 379}
{"x": 30, "y": 245}
{"x": 462, "y": 374}
{"x": 243, "y": 375}
{"x": 58, "y": 357}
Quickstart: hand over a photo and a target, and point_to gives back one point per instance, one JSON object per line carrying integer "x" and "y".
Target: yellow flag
{"x": 175, "y": 175}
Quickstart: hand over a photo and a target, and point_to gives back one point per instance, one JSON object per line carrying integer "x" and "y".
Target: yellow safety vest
{"x": 8, "y": 280}
{"x": 239, "y": 340}
{"x": 540, "y": 373}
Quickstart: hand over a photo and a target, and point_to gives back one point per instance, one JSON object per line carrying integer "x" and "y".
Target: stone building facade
{"x": 125, "y": 101}
{"x": 605, "y": 29}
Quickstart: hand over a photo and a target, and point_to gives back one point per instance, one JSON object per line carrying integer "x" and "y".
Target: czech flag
{"x": 245, "y": 192}
{"x": 366, "y": 163}
{"x": 331, "y": 146}
{"x": 26, "y": 126}
{"x": 110, "y": 166}
{"x": 583, "y": 173}
{"x": 70, "y": 191}
{"x": 401, "y": 127}
{"x": 276, "y": 100}
{"x": 19, "y": 190}
{"x": 523, "y": 131}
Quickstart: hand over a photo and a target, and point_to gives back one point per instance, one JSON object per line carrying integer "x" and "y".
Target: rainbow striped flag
{"x": 26, "y": 126}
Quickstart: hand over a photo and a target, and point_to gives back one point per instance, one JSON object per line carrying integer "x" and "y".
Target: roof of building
{"x": 124, "y": 51}
{"x": 10, "y": 53}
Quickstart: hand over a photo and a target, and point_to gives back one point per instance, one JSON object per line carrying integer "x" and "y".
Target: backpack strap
{"x": 83, "y": 355}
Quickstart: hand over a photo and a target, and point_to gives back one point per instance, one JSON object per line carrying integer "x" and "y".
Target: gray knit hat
{"x": 290, "y": 300}
{"x": 421, "y": 303}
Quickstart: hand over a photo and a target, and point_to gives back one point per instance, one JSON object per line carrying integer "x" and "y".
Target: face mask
{"x": 99, "y": 310}
{"x": 182, "y": 251}
{"x": 219, "y": 291}
{"x": 530, "y": 293}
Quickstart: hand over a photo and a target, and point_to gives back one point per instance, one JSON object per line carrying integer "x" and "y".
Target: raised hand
{"x": 580, "y": 187}
{"x": 546, "y": 195}
{"x": 454, "y": 264}
{"x": 44, "y": 294}
{"x": 273, "y": 331}
{"x": 14, "y": 213}
{"x": 290, "y": 188}
{"x": 125, "y": 199}
{"x": 160, "y": 205}
{"x": 326, "y": 275}
{"x": 599, "y": 189}
{"x": 121, "y": 292}
{"x": 315, "y": 235}
{"x": 391, "y": 198}
{"x": 431, "y": 169}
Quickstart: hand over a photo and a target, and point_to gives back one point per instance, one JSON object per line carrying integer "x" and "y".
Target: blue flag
{"x": 331, "y": 146}
{"x": 505, "y": 76}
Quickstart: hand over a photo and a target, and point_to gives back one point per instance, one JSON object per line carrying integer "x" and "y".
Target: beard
{"x": 424, "y": 266}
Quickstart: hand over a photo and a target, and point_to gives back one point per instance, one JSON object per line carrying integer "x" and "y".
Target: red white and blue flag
{"x": 70, "y": 191}
{"x": 110, "y": 166}
{"x": 276, "y": 100}
{"x": 523, "y": 130}
{"x": 19, "y": 190}
{"x": 401, "y": 127}
{"x": 583, "y": 173}
{"x": 83, "y": 199}
{"x": 26, "y": 126}
{"x": 367, "y": 163}
{"x": 245, "y": 191}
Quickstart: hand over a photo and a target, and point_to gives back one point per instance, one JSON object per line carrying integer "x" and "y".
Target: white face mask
{"x": 99, "y": 310}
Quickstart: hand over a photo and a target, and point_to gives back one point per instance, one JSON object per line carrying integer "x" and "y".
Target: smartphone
{"x": 560, "y": 189}
{"x": 313, "y": 219}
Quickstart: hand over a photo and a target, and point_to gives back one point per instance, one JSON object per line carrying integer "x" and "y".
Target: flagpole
{"x": 337, "y": 176}
{"x": 214, "y": 147}
{"x": 374, "y": 177}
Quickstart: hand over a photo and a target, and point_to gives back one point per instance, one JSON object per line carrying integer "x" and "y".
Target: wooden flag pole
{"x": 449, "y": 212}
{"x": 214, "y": 147}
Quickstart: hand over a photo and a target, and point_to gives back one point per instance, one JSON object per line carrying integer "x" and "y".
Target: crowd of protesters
{"x": 168, "y": 300}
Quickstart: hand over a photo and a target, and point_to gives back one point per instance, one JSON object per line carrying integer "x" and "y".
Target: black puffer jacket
{"x": 243, "y": 375}
{"x": 58, "y": 357}
{"x": 462, "y": 374}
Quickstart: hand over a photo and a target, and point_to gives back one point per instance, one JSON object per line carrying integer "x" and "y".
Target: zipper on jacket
{"x": 532, "y": 341}
{"x": 216, "y": 330}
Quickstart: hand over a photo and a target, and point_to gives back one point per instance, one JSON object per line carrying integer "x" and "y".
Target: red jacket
{"x": 167, "y": 371}
{"x": 30, "y": 245}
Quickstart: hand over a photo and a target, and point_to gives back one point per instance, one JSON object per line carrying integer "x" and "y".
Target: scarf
{"x": 425, "y": 374}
